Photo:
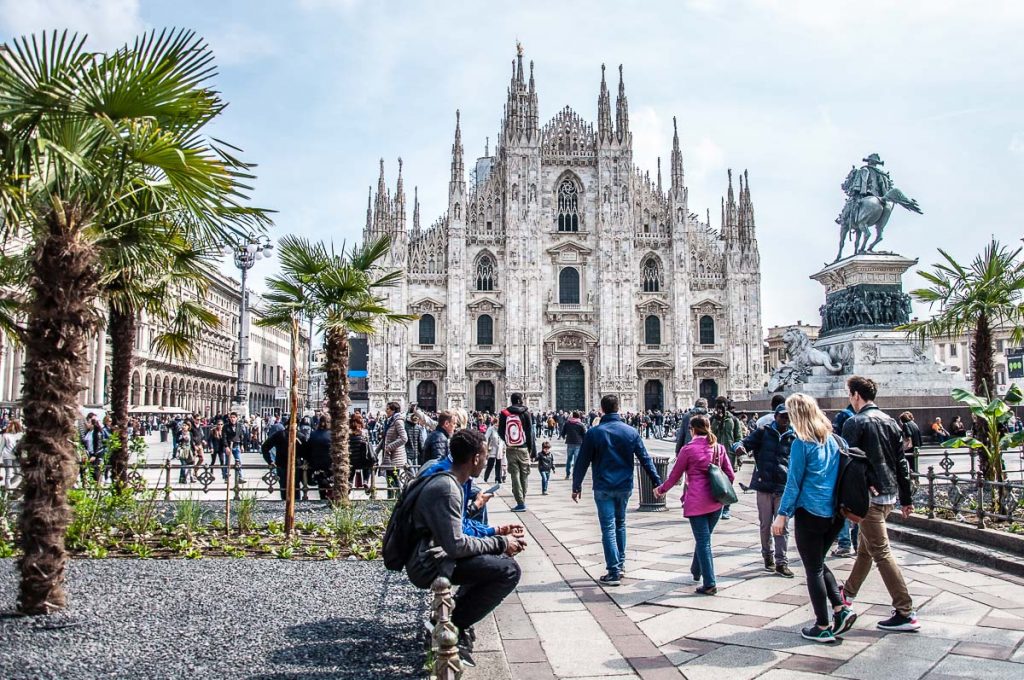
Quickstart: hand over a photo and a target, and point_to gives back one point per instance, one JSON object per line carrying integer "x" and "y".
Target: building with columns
{"x": 204, "y": 385}
{"x": 565, "y": 272}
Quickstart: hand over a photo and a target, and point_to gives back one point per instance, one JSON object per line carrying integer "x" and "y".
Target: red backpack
{"x": 515, "y": 432}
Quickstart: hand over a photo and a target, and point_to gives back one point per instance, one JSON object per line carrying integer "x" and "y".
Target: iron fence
{"x": 947, "y": 488}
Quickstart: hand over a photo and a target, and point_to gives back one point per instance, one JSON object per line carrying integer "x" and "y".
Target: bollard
{"x": 445, "y": 638}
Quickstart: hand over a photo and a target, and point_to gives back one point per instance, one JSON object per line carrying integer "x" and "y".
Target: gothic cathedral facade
{"x": 565, "y": 273}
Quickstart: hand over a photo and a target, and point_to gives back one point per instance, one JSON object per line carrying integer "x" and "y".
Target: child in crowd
{"x": 545, "y": 464}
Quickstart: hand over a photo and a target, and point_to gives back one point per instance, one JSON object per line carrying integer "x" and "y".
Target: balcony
{"x": 569, "y": 312}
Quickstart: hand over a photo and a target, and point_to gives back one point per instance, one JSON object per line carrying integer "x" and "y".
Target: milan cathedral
{"x": 565, "y": 272}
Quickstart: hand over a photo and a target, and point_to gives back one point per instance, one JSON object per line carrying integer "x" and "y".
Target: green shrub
{"x": 244, "y": 511}
{"x": 189, "y": 514}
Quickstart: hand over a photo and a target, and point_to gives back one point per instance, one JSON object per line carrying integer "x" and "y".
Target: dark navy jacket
{"x": 771, "y": 457}
{"x": 612, "y": 446}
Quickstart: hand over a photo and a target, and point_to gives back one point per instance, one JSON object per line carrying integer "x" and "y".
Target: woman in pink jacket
{"x": 699, "y": 506}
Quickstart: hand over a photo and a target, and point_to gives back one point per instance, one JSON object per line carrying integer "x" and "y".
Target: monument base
{"x": 900, "y": 365}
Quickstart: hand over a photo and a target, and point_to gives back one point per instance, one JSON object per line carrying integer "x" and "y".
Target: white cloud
{"x": 108, "y": 23}
{"x": 241, "y": 44}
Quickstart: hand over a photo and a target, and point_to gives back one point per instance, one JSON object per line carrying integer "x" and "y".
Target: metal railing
{"x": 943, "y": 489}
{"x": 383, "y": 481}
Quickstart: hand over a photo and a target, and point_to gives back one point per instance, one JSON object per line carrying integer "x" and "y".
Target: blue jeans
{"x": 571, "y": 451}
{"x": 611, "y": 513}
{"x": 545, "y": 477}
{"x": 703, "y": 565}
{"x": 848, "y": 535}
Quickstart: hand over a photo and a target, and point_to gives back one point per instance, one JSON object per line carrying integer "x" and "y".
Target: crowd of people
{"x": 806, "y": 468}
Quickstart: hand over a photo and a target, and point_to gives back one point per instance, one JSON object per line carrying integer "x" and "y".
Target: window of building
{"x": 707, "y": 330}
{"x": 652, "y": 330}
{"x": 568, "y": 206}
{"x": 952, "y": 349}
{"x": 485, "y": 330}
{"x": 427, "y": 328}
{"x": 650, "y": 275}
{"x": 569, "y": 286}
{"x": 485, "y": 273}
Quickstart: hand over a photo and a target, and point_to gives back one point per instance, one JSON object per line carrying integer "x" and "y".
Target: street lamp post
{"x": 246, "y": 253}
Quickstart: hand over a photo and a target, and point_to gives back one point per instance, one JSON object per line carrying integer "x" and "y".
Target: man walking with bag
{"x": 880, "y": 438}
{"x": 515, "y": 427}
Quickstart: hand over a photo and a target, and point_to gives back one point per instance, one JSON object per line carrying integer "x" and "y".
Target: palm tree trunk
{"x": 982, "y": 365}
{"x": 983, "y": 378}
{"x": 122, "y": 337}
{"x": 337, "y": 352}
{"x": 61, "y": 317}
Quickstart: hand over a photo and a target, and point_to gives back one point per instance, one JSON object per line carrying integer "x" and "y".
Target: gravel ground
{"x": 219, "y": 618}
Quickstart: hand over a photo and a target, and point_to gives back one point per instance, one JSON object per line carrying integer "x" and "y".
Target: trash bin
{"x": 648, "y": 503}
{"x": 163, "y": 434}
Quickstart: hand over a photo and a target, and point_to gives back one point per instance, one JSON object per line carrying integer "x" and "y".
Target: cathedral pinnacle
{"x": 604, "y": 111}
{"x": 458, "y": 169}
{"x": 416, "y": 209}
{"x": 621, "y": 111}
{"x": 676, "y": 160}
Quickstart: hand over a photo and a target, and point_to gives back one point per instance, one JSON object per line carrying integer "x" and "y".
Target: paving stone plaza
{"x": 561, "y": 624}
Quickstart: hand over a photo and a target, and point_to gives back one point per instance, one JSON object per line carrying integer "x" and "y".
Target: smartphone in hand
{"x": 493, "y": 490}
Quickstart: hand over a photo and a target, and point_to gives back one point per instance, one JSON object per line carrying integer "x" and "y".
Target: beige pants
{"x": 518, "y": 471}
{"x": 873, "y": 546}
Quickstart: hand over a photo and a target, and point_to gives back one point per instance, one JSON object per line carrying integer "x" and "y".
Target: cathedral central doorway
{"x": 426, "y": 396}
{"x": 709, "y": 389}
{"x": 484, "y": 400}
{"x": 570, "y": 386}
{"x": 654, "y": 395}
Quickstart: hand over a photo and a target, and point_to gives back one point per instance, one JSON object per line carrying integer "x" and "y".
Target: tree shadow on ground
{"x": 349, "y": 648}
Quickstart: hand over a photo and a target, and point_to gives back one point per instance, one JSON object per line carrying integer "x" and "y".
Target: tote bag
{"x": 721, "y": 487}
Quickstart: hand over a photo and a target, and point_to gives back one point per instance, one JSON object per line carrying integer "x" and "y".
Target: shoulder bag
{"x": 721, "y": 488}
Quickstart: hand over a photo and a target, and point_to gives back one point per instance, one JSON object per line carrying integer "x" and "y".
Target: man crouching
{"x": 482, "y": 567}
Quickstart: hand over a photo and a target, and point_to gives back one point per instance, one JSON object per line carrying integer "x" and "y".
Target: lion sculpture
{"x": 798, "y": 347}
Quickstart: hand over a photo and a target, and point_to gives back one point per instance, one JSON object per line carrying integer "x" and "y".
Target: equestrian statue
{"x": 870, "y": 199}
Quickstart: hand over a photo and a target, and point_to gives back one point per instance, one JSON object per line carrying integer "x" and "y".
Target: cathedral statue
{"x": 870, "y": 198}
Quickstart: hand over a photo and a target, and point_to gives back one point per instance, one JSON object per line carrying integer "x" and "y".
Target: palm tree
{"x": 340, "y": 291}
{"x": 146, "y": 264}
{"x": 974, "y": 299}
{"x": 89, "y": 140}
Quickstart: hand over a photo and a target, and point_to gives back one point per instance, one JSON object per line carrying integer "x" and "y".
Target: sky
{"x": 793, "y": 91}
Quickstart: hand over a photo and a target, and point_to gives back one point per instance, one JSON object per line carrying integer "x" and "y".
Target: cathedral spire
{"x": 400, "y": 200}
{"x": 369, "y": 209}
{"x": 416, "y": 209}
{"x": 457, "y": 184}
{"x": 746, "y": 212}
{"x": 521, "y": 111}
{"x": 730, "y": 222}
{"x": 519, "y": 63}
{"x": 659, "y": 175}
{"x": 621, "y": 111}
{"x": 604, "y": 111}
{"x": 381, "y": 207}
{"x": 676, "y": 161}
{"x": 458, "y": 169}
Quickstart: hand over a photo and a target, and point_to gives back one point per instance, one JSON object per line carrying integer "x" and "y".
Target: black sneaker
{"x": 784, "y": 571}
{"x": 610, "y": 580}
{"x": 466, "y": 657}
{"x": 843, "y": 621}
{"x": 706, "y": 590}
{"x": 900, "y": 623}
{"x": 769, "y": 563}
{"x": 816, "y": 634}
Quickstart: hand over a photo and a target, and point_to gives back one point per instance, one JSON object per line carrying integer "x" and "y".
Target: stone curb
{"x": 973, "y": 553}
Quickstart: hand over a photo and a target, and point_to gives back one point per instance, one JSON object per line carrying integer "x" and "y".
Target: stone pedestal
{"x": 864, "y": 302}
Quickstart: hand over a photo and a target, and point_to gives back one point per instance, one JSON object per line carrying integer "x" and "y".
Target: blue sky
{"x": 795, "y": 92}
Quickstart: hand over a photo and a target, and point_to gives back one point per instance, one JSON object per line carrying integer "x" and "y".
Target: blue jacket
{"x": 470, "y": 527}
{"x": 813, "y": 472}
{"x": 611, "y": 446}
{"x": 435, "y": 447}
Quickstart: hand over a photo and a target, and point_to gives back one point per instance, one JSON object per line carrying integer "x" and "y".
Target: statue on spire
{"x": 870, "y": 198}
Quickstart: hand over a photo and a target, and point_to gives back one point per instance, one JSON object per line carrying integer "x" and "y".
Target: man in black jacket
{"x": 880, "y": 438}
{"x": 770, "y": 447}
{"x": 278, "y": 442}
{"x": 572, "y": 431}
{"x": 435, "y": 446}
{"x": 700, "y": 407}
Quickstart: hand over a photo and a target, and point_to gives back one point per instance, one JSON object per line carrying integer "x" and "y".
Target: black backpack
{"x": 401, "y": 537}
{"x": 852, "y": 495}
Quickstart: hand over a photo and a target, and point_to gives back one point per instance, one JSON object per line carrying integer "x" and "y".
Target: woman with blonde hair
{"x": 809, "y": 498}
{"x": 699, "y": 505}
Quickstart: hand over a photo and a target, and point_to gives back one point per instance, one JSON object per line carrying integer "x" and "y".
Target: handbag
{"x": 721, "y": 488}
